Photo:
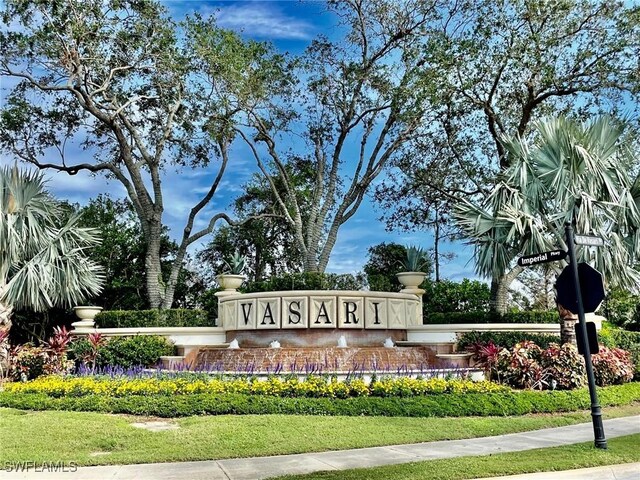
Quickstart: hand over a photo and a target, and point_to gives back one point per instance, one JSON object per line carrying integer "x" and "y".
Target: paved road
{"x": 267, "y": 467}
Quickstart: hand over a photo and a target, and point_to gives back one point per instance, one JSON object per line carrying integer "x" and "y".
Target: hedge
{"x": 444, "y": 405}
{"x": 125, "y": 352}
{"x": 490, "y": 317}
{"x": 153, "y": 318}
{"x": 505, "y": 339}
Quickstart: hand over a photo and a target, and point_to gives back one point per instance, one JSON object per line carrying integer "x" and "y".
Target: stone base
{"x": 318, "y": 359}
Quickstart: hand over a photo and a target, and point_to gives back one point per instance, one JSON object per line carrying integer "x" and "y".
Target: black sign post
{"x": 596, "y": 413}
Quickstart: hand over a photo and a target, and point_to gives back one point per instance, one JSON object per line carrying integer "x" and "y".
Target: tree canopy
{"x": 571, "y": 172}
{"x": 126, "y": 84}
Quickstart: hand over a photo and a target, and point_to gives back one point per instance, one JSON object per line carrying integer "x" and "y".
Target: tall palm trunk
{"x": 5, "y": 311}
{"x": 568, "y": 322}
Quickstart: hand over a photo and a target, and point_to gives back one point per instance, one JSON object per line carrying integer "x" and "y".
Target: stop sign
{"x": 591, "y": 287}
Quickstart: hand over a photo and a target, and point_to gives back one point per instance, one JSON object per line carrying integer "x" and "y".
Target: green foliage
{"x": 619, "y": 338}
{"x": 612, "y": 366}
{"x": 383, "y": 264}
{"x": 528, "y": 366}
{"x": 28, "y": 362}
{"x": 306, "y": 281}
{"x": 43, "y": 260}
{"x": 122, "y": 253}
{"x": 416, "y": 260}
{"x": 504, "y": 339}
{"x": 442, "y": 405}
{"x": 153, "y": 318}
{"x": 448, "y": 296}
{"x": 490, "y": 317}
{"x": 235, "y": 264}
{"x": 562, "y": 157}
{"x": 125, "y": 352}
{"x": 622, "y": 308}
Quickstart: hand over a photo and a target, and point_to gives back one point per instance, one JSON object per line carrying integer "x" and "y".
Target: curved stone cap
{"x": 330, "y": 309}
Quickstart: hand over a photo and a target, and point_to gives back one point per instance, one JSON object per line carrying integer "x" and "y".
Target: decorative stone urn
{"x": 411, "y": 280}
{"x": 230, "y": 282}
{"x": 87, "y": 315}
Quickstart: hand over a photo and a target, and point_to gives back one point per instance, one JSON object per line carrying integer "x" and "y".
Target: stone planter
{"x": 229, "y": 282}
{"x": 411, "y": 280}
{"x": 87, "y": 315}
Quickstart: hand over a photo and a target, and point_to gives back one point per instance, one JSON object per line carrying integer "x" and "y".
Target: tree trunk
{"x": 5, "y": 312}
{"x": 153, "y": 268}
{"x": 568, "y": 322}
{"x": 436, "y": 248}
{"x": 500, "y": 290}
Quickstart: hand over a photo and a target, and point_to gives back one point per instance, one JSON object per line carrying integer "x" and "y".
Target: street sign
{"x": 592, "y": 338}
{"x": 589, "y": 240}
{"x": 591, "y": 287}
{"x": 545, "y": 257}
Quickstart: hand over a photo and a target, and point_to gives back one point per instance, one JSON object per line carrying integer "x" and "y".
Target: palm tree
{"x": 569, "y": 172}
{"x": 42, "y": 259}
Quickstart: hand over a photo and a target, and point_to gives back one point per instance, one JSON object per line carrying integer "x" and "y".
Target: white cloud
{"x": 261, "y": 19}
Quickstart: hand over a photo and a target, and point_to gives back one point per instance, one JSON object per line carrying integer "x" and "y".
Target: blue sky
{"x": 290, "y": 26}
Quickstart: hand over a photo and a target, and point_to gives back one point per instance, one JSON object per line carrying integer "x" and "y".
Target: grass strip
{"x": 101, "y": 439}
{"x": 555, "y": 459}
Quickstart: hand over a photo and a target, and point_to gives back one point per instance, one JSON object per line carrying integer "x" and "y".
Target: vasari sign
{"x": 319, "y": 309}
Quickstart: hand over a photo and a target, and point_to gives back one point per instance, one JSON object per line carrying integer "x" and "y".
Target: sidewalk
{"x": 266, "y": 467}
{"x": 627, "y": 471}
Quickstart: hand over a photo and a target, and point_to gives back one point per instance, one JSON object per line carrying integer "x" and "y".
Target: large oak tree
{"x": 126, "y": 84}
{"x": 500, "y": 66}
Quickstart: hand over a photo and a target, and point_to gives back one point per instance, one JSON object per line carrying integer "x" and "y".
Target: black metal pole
{"x": 596, "y": 413}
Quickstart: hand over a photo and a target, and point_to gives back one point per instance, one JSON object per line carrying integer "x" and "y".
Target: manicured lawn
{"x": 95, "y": 438}
{"x": 583, "y": 455}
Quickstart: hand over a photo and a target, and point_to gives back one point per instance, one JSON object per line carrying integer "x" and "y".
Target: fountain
{"x": 342, "y": 342}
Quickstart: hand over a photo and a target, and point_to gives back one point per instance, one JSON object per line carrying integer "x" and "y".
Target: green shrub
{"x": 504, "y": 339}
{"x": 443, "y": 405}
{"x": 447, "y": 296}
{"x": 153, "y": 318}
{"x": 612, "y": 366}
{"x": 28, "y": 362}
{"x": 623, "y": 309}
{"x": 124, "y": 352}
{"x": 306, "y": 281}
{"x": 490, "y": 317}
{"x": 618, "y": 338}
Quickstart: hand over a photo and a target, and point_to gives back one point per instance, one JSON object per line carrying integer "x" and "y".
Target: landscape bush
{"x": 447, "y": 296}
{"x": 622, "y": 308}
{"x": 613, "y": 337}
{"x": 490, "y": 317}
{"x": 125, "y": 352}
{"x": 177, "y": 317}
{"x": 442, "y": 405}
{"x": 528, "y": 366}
{"x": 314, "y": 386}
{"x": 306, "y": 281}
{"x": 504, "y": 339}
{"x": 28, "y": 361}
{"x": 612, "y": 366}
